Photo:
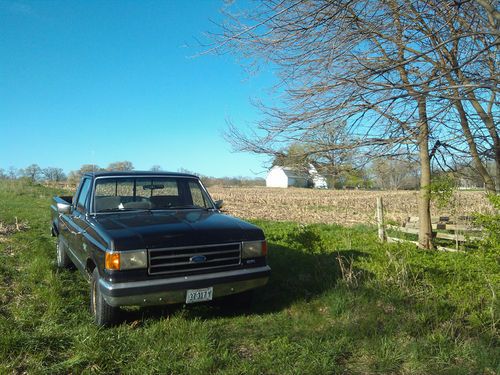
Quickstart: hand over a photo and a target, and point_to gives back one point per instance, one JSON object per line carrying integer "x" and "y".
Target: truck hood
{"x": 158, "y": 229}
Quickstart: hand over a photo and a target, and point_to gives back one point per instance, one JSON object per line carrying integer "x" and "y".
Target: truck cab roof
{"x": 137, "y": 174}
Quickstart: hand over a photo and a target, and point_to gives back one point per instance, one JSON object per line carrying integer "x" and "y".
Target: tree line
{"x": 386, "y": 174}
{"x": 33, "y": 173}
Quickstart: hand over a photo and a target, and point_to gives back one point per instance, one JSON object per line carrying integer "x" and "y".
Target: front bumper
{"x": 173, "y": 290}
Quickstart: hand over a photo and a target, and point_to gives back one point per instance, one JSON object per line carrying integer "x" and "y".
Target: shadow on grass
{"x": 297, "y": 275}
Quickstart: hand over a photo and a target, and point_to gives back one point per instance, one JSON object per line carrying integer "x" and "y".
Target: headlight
{"x": 254, "y": 249}
{"x": 127, "y": 260}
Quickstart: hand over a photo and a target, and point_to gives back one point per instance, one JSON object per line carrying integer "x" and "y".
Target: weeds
{"x": 349, "y": 274}
{"x": 400, "y": 272}
{"x": 491, "y": 224}
{"x": 9, "y": 229}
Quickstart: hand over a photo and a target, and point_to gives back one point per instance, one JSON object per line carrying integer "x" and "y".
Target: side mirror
{"x": 63, "y": 208}
{"x": 219, "y": 204}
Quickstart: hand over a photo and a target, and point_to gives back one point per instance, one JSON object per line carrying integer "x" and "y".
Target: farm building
{"x": 286, "y": 177}
{"x": 318, "y": 181}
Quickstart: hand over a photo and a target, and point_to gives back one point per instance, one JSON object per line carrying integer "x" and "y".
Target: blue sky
{"x": 103, "y": 81}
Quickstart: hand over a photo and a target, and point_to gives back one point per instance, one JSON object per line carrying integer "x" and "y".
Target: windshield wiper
{"x": 122, "y": 209}
{"x": 186, "y": 207}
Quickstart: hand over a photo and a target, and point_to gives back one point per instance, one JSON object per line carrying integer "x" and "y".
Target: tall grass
{"x": 338, "y": 302}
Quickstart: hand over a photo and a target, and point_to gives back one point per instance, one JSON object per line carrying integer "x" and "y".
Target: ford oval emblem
{"x": 198, "y": 259}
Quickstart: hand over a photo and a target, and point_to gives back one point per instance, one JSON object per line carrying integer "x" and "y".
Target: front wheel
{"x": 63, "y": 260}
{"x": 104, "y": 314}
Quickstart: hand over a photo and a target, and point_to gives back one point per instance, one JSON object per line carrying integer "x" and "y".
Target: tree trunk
{"x": 498, "y": 177}
{"x": 478, "y": 164}
{"x": 424, "y": 201}
{"x": 489, "y": 122}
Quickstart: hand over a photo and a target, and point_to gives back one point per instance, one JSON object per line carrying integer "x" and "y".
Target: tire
{"x": 103, "y": 314}
{"x": 63, "y": 260}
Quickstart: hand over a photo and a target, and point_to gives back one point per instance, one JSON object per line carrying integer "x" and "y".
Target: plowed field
{"x": 335, "y": 206}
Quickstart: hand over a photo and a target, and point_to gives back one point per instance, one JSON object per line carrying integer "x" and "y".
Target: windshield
{"x": 149, "y": 193}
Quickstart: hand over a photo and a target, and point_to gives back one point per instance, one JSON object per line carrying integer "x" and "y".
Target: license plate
{"x": 199, "y": 295}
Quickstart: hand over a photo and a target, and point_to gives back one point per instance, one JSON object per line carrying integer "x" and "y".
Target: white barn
{"x": 319, "y": 181}
{"x": 284, "y": 177}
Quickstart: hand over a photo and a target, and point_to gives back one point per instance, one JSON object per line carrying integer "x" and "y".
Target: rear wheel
{"x": 63, "y": 260}
{"x": 104, "y": 314}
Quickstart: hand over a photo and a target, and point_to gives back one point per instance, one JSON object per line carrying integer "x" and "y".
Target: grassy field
{"x": 337, "y": 303}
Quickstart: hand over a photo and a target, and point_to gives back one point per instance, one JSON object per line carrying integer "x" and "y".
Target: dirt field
{"x": 334, "y": 206}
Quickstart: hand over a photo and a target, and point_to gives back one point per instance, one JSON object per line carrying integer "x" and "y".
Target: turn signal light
{"x": 264, "y": 248}
{"x": 126, "y": 260}
{"x": 112, "y": 261}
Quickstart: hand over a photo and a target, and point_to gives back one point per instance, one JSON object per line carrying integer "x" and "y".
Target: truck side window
{"x": 84, "y": 192}
{"x": 197, "y": 195}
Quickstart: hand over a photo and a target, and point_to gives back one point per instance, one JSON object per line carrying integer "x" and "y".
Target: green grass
{"x": 337, "y": 303}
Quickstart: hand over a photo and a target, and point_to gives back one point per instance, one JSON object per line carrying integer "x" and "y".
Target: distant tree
{"x": 295, "y": 157}
{"x": 394, "y": 174}
{"x": 53, "y": 174}
{"x": 156, "y": 168}
{"x": 75, "y": 176}
{"x": 330, "y": 151}
{"x": 356, "y": 179}
{"x": 120, "y": 166}
{"x": 232, "y": 181}
{"x": 13, "y": 173}
{"x": 33, "y": 172}
{"x": 86, "y": 168}
{"x": 187, "y": 171}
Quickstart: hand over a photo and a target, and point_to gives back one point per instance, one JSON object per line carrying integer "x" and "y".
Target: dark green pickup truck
{"x": 149, "y": 238}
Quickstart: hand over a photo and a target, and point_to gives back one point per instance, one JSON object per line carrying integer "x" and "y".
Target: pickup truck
{"x": 150, "y": 238}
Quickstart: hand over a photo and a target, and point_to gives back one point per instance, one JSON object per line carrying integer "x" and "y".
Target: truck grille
{"x": 194, "y": 258}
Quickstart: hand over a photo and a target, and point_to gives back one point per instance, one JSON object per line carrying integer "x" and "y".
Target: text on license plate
{"x": 199, "y": 295}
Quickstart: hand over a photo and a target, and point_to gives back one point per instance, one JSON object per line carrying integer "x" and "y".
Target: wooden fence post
{"x": 380, "y": 220}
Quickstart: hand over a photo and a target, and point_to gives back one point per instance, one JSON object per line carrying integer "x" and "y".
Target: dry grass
{"x": 8, "y": 229}
{"x": 334, "y": 206}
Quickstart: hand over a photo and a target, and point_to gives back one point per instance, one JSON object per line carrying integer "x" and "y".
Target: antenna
{"x": 92, "y": 158}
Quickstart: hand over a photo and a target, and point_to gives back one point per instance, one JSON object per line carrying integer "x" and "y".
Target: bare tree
{"x": 374, "y": 65}
{"x": 88, "y": 168}
{"x": 33, "y": 172}
{"x": 295, "y": 156}
{"x": 53, "y": 174}
{"x": 75, "y": 176}
{"x": 13, "y": 173}
{"x": 324, "y": 147}
{"x": 156, "y": 168}
{"x": 120, "y": 166}
{"x": 465, "y": 53}
{"x": 492, "y": 12}
{"x": 394, "y": 174}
